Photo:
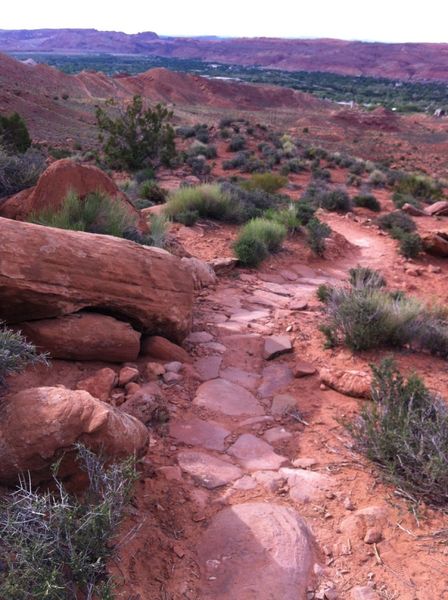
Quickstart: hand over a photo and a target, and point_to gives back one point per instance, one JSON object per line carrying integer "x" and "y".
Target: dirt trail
{"x": 250, "y": 437}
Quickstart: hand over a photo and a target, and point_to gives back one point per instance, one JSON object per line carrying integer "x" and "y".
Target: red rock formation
{"x": 47, "y": 272}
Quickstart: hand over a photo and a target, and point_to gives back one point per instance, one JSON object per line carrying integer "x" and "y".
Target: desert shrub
{"x": 200, "y": 149}
{"x": 202, "y": 133}
{"x": 208, "y": 201}
{"x": 145, "y": 174}
{"x": 293, "y": 165}
{"x": 257, "y": 239}
{"x": 367, "y": 201}
{"x": 237, "y": 162}
{"x": 268, "y": 182}
{"x": 237, "y": 143}
{"x": 410, "y": 244}
{"x": 285, "y": 216}
{"x": 323, "y": 292}
{"x": 322, "y": 174}
{"x": 185, "y": 132}
{"x": 158, "y": 225}
{"x": 353, "y": 180}
{"x": 16, "y": 353}
{"x": 187, "y": 217}
{"x": 250, "y": 251}
{"x": 137, "y": 136}
{"x": 317, "y": 233}
{"x": 54, "y": 545}
{"x": 400, "y": 199}
{"x": 396, "y": 220}
{"x": 225, "y": 122}
{"x": 312, "y": 152}
{"x": 225, "y": 133}
{"x": 19, "y": 172}
{"x": 377, "y": 178}
{"x": 364, "y": 317}
{"x": 59, "y": 153}
{"x": 405, "y": 431}
{"x": 421, "y": 187}
{"x": 248, "y": 204}
{"x": 336, "y": 200}
{"x": 14, "y": 135}
{"x": 365, "y": 277}
{"x": 96, "y": 213}
{"x": 255, "y": 165}
{"x": 305, "y": 211}
{"x": 199, "y": 167}
{"x": 358, "y": 167}
{"x": 150, "y": 190}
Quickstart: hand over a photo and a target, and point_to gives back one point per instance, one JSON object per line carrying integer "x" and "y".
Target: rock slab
{"x": 255, "y": 454}
{"x": 228, "y": 398}
{"x": 207, "y": 470}
{"x": 256, "y": 551}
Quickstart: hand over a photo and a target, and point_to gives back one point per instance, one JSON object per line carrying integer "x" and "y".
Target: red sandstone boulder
{"x": 350, "y": 383}
{"x": 436, "y": 243}
{"x": 55, "y": 183}
{"x": 438, "y": 209}
{"x": 47, "y": 272}
{"x": 100, "y": 384}
{"x": 38, "y": 424}
{"x": 84, "y": 336}
{"x": 162, "y": 349}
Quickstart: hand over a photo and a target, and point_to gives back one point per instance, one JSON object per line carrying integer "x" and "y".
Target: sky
{"x": 375, "y": 20}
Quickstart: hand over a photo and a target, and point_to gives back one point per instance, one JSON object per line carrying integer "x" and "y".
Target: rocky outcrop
{"x": 350, "y": 383}
{"x": 55, "y": 183}
{"x": 436, "y": 243}
{"x": 438, "y": 209}
{"x": 84, "y": 336}
{"x": 38, "y": 424}
{"x": 59, "y": 272}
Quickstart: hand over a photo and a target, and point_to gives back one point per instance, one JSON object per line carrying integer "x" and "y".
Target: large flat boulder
{"x": 84, "y": 336}
{"x": 47, "y": 272}
{"x": 56, "y": 182}
{"x": 259, "y": 551}
{"x": 436, "y": 243}
{"x": 37, "y": 425}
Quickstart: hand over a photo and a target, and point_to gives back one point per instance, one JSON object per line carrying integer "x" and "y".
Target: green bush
{"x": 365, "y": 277}
{"x": 158, "y": 228}
{"x": 208, "y": 201}
{"x": 249, "y": 204}
{"x": 396, "y": 220}
{"x": 237, "y": 143}
{"x": 321, "y": 174}
{"x": 323, "y": 292}
{"x": 185, "y": 132}
{"x": 237, "y": 162}
{"x": 19, "y": 172}
{"x": 257, "y": 239}
{"x": 405, "y": 432}
{"x": 286, "y": 216}
{"x": 96, "y": 213}
{"x": 410, "y": 244}
{"x": 336, "y": 200}
{"x": 268, "y": 182}
{"x": 420, "y": 187}
{"x": 364, "y": 317}
{"x": 250, "y": 251}
{"x": 16, "y": 353}
{"x": 14, "y": 135}
{"x": 138, "y": 136}
{"x": 304, "y": 211}
{"x": 55, "y": 546}
{"x": 200, "y": 149}
{"x": 150, "y": 190}
{"x": 377, "y": 178}
{"x": 400, "y": 199}
{"x": 367, "y": 201}
{"x": 317, "y": 232}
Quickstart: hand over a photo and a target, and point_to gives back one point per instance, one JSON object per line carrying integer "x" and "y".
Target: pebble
{"x": 373, "y": 536}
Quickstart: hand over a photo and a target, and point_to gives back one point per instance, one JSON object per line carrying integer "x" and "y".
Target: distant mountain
{"x": 410, "y": 61}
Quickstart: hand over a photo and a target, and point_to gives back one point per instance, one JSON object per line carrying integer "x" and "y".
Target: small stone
{"x": 373, "y": 536}
{"x": 154, "y": 370}
{"x": 276, "y": 434}
{"x": 208, "y": 367}
{"x": 100, "y": 384}
{"x": 348, "y": 504}
{"x": 244, "y": 484}
{"x": 330, "y": 496}
{"x": 199, "y": 337}
{"x": 127, "y": 375}
{"x": 173, "y": 367}
{"x": 303, "y": 369}
{"x": 172, "y": 378}
{"x": 255, "y": 454}
{"x": 197, "y": 432}
{"x": 228, "y": 398}
{"x": 304, "y": 463}
{"x": 171, "y": 473}
{"x": 207, "y": 470}
{"x": 298, "y": 304}
{"x": 178, "y": 551}
{"x": 275, "y": 345}
{"x": 131, "y": 388}
{"x": 162, "y": 349}
{"x": 364, "y": 592}
{"x": 323, "y": 387}
{"x": 331, "y": 594}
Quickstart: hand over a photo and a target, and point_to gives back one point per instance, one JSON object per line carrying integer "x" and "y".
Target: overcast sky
{"x": 381, "y": 20}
